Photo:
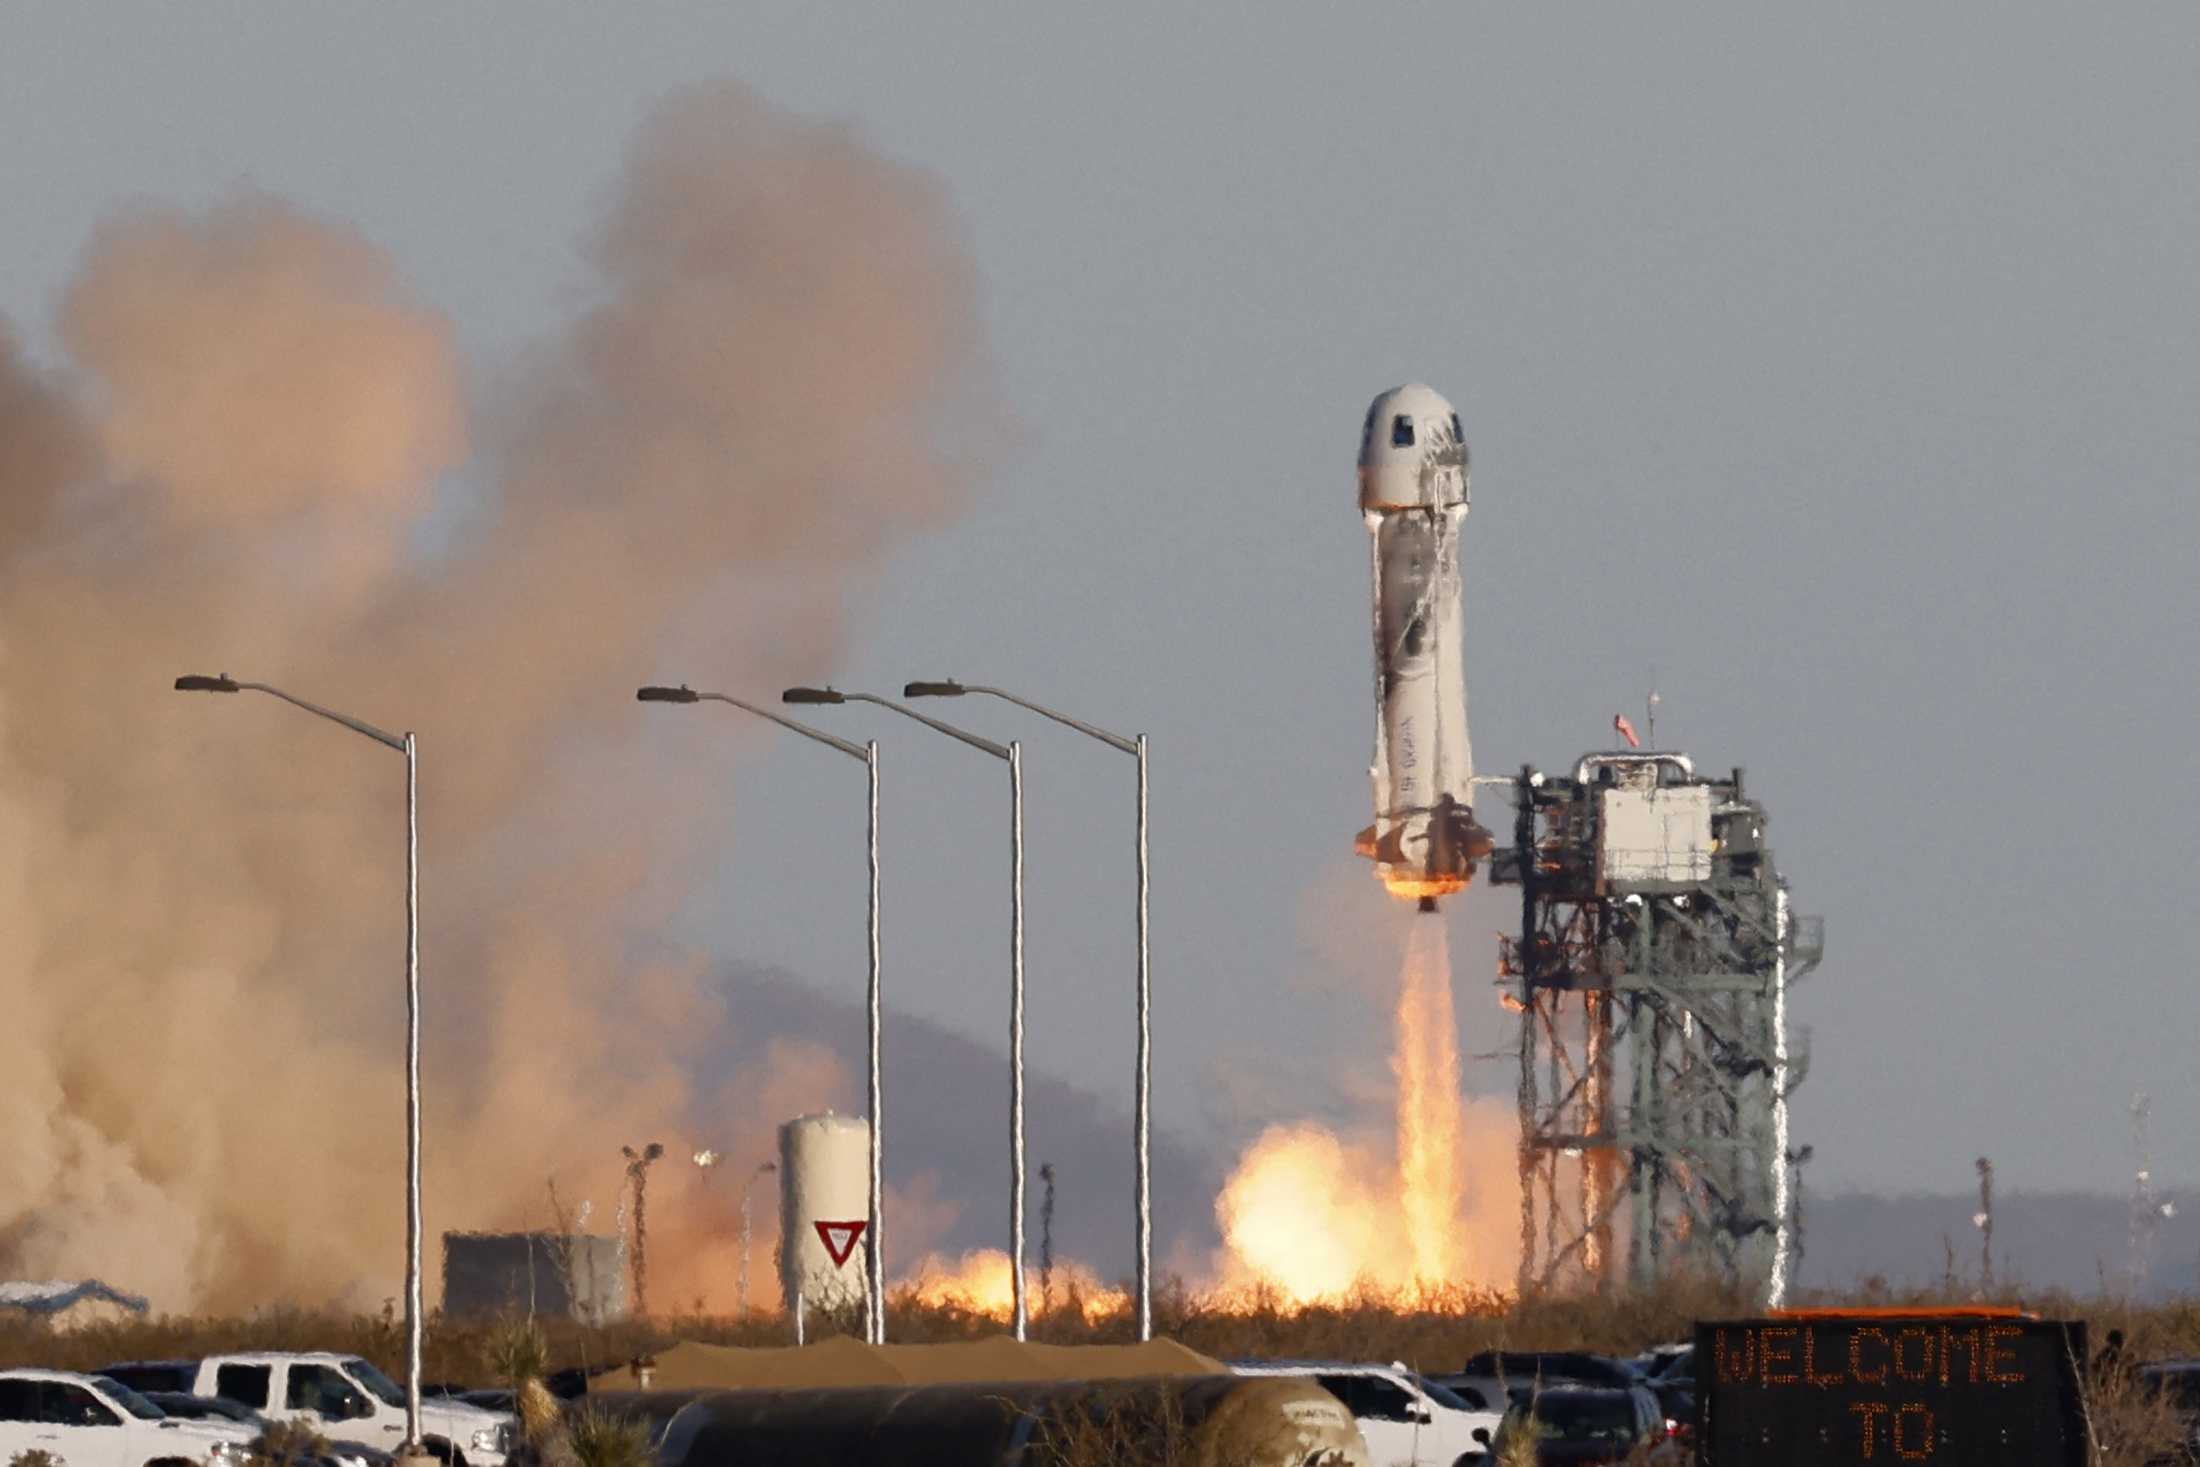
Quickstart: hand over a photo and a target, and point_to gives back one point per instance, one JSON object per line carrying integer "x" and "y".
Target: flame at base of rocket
{"x": 1414, "y": 495}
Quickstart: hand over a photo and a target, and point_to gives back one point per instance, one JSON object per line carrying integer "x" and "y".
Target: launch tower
{"x": 1651, "y": 974}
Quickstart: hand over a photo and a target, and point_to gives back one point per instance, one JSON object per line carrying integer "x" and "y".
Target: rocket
{"x": 1413, "y": 494}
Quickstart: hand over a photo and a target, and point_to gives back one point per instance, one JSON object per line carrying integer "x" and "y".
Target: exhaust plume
{"x": 1310, "y": 1215}
{"x": 774, "y": 379}
{"x": 1431, "y": 1117}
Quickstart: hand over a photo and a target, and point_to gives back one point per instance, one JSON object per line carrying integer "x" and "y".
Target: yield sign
{"x": 839, "y": 1238}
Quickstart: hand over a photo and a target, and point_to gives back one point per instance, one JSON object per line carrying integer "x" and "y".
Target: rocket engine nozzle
{"x": 1427, "y": 853}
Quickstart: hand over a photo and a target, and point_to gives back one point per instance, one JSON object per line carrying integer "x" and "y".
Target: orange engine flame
{"x": 1414, "y": 888}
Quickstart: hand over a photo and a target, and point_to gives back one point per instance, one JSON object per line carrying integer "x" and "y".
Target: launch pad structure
{"x": 1651, "y": 975}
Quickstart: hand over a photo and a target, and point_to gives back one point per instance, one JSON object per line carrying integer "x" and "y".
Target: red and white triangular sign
{"x": 840, "y": 1238}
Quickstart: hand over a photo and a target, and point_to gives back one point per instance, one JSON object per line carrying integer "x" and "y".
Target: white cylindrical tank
{"x": 825, "y": 1211}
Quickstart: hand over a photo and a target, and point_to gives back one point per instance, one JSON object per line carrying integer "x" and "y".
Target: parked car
{"x": 1576, "y": 1424}
{"x": 88, "y": 1421}
{"x": 184, "y": 1405}
{"x": 2176, "y": 1380}
{"x": 147, "y": 1376}
{"x": 1658, "y": 1359}
{"x": 1508, "y": 1370}
{"x": 348, "y": 1399}
{"x": 1674, "y": 1383}
{"x": 1404, "y": 1418}
{"x": 1504, "y": 1377}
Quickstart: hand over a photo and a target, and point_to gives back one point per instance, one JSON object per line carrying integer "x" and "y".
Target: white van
{"x": 88, "y": 1421}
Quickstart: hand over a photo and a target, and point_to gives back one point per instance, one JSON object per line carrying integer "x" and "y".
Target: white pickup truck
{"x": 347, "y": 1399}
{"x": 88, "y": 1421}
{"x": 1407, "y": 1421}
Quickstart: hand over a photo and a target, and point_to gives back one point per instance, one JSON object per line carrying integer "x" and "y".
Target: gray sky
{"x": 1836, "y": 363}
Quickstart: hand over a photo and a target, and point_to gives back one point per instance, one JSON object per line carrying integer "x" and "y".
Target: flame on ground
{"x": 980, "y": 1283}
{"x": 1309, "y": 1216}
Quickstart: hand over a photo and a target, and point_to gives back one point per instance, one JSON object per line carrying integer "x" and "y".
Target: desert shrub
{"x": 1112, "y": 1426}
{"x": 1517, "y": 1444}
{"x": 286, "y": 1444}
{"x": 600, "y": 1439}
{"x": 2134, "y": 1423}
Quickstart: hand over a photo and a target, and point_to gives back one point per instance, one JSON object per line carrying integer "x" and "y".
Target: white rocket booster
{"x": 1413, "y": 493}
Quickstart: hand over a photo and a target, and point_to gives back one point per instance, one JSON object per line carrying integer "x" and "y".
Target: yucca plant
{"x": 516, "y": 1353}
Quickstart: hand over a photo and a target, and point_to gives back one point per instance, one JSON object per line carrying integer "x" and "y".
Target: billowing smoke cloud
{"x": 775, "y": 377}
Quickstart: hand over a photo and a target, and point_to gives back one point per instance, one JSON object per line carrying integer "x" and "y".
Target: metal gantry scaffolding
{"x": 1651, "y": 974}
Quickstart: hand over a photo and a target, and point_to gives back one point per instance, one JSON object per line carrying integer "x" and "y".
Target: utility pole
{"x": 1046, "y": 1237}
{"x": 764, "y": 1170}
{"x": 2147, "y": 1207}
{"x": 637, "y": 1172}
{"x": 1985, "y": 1222}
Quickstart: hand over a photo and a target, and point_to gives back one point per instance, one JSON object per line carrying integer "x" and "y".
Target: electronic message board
{"x": 1833, "y": 1390}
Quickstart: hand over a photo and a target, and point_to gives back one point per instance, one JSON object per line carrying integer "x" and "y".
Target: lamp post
{"x": 1142, "y": 1106}
{"x": 1012, "y": 755}
{"x": 408, "y": 746}
{"x": 764, "y": 1169}
{"x": 874, "y": 1257}
{"x": 637, "y": 1172}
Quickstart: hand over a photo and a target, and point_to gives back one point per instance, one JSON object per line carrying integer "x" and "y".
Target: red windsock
{"x": 1626, "y": 730}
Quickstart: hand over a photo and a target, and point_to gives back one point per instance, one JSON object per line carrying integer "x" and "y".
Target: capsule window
{"x": 1458, "y": 434}
{"x": 1401, "y": 431}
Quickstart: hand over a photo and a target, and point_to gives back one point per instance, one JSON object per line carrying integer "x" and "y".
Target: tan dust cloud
{"x": 773, "y": 379}
{"x": 255, "y": 360}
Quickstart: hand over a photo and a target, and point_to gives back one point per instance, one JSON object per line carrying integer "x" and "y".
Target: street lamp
{"x": 1142, "y": 1118}
{"x": 874, "y": 1283}
{"x": 1012, "y": 754}
{"x": 410, "y": 748}
{"x": 763, "y": 1169}
{"x": 637, "y": 1172}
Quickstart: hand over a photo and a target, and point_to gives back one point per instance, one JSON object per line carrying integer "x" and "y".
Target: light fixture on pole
{"x": 409, "y": 746}
{"x": 874, "y": 1258}
{"x": 637, "y": 1172}
{"x": 1012, "y": 754}
{"x": 1142, "y": 1105}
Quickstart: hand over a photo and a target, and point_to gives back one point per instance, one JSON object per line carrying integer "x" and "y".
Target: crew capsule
{"x": 1413, "y": 454}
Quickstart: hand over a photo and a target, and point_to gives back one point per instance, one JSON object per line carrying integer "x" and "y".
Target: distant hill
{"x": 2078, "y": 1241}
